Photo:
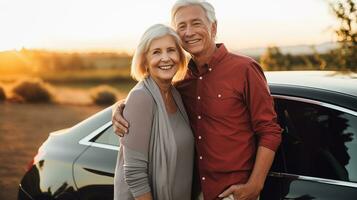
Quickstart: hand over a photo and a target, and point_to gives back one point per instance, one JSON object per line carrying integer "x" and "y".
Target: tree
{"x": 345, "y": 12}
{"x": 318, "y": 58}
{"x": 75, "y": 62}
{"x": 273, "y": 59}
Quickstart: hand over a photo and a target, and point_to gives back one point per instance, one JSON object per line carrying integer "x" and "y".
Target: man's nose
{"x": 189, "y": 31}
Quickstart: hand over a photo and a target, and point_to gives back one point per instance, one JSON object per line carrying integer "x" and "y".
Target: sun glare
{"x": 117, "y": 25}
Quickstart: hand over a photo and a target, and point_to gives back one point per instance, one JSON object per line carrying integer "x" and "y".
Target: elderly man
{"x": 229, "y": 105}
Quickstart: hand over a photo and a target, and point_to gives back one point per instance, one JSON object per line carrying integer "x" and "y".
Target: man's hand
{"x": 242, "y": 192}
{"x": 120, "y": 125}
{"x": 253, "y": 187}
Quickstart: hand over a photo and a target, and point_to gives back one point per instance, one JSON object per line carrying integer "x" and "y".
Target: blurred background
{"x": 62, "y": 60}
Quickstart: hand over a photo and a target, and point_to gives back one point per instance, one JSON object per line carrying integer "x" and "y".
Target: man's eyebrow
{"x": 197, "y": 19}
{"x": 181, "y": 23}
{"x": 192, "y": 20}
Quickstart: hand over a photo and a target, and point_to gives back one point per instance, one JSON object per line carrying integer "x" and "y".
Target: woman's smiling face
{"x": 163, "y": 58}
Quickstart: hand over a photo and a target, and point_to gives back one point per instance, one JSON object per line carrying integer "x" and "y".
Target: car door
{"x": 318, "y": 158}
{"x": 94, "y": 169}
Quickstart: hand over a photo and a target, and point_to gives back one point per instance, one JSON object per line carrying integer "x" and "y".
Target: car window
{"x": 318, "y": 141}
{"x": 107, "y": 137}
{"x": 278, "y": 165}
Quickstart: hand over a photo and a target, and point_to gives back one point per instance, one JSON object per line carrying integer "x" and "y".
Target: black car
{"x": 317, "y": 158}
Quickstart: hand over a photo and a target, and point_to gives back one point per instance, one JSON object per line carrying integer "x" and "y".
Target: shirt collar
{"x": 217, "y": 56}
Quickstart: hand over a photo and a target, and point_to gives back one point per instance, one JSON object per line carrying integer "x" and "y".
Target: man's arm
{"x": 252, "y": 189}
{"x": 146, "y": 196}
{"x": 263, "y": 162}
{"x": 120, "y": 125}
{"x": 264, "y": 124}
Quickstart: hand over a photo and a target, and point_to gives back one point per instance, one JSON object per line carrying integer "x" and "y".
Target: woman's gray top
{"x": 143, "y": 165}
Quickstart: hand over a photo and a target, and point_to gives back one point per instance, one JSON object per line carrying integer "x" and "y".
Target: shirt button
{"x": 200, "y": 77}
{"x": 199, "y": 137}
{"x": 200, "y": 157}
{"x": 198, "y": 97}
{"x": 199, "y": 117}
{"x": 203, "y": 178}
{"x": 219, "y": 95}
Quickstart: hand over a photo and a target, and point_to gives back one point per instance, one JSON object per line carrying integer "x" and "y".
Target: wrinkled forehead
{"x": 164, "y": 41}
{"x": 190, "y": 13}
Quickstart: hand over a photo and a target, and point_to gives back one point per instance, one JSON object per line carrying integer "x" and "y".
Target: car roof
{"x": 341, "y": 82}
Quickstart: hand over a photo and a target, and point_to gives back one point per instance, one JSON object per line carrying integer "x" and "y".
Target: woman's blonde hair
{"x": 139, "y": 63}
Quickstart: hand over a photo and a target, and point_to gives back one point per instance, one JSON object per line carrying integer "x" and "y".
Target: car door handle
{"x": 99, "y": 172}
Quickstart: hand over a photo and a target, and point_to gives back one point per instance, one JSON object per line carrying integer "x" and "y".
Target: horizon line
{"x": 130, "y": 52}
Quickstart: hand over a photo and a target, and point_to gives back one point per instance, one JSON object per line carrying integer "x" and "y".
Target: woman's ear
{"x": 146, "y": 66}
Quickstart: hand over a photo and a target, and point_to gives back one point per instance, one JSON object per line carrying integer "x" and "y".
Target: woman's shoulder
{"x": 140, "y": 94}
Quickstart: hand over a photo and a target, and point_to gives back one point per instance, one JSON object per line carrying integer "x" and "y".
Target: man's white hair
{"x": 207, "y": 7}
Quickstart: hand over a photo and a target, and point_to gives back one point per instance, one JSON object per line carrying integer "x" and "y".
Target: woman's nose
{"x": 165, "y": 57}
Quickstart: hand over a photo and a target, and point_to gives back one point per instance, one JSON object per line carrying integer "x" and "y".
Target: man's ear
{"x": 214, "y": 29}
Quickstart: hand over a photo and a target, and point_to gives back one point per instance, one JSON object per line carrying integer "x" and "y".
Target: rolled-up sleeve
{"x": 139, "y": 113}
{"x": 261, "y": 108}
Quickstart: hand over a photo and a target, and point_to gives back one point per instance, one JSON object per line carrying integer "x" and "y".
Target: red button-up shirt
{"x": 231, "y": 112}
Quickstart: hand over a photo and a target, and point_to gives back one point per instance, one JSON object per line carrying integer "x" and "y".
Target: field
{"x": 23, "y": 128}
{"x": 74, "y": 86}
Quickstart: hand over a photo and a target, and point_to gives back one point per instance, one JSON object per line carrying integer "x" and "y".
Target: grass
{"x": 78, "y": 79}
{"x": 94, "y": 75}
{"x": 103, "y": 95}
{"x": 74, "y": 87}
{"x": 33, "y": 90}
{"x": 71, "y": 75}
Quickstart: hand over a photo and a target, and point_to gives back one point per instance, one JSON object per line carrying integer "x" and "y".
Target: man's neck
{"x": 204, "y": 58}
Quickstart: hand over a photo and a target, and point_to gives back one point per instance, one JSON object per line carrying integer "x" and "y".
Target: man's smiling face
{"x": 195, "y": 30}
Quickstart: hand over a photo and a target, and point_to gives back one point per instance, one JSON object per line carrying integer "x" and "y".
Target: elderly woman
{"x": 155, "y": 159}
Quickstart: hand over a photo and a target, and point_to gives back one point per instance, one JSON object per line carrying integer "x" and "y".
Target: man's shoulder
{"x": 240, "y": 58}
{"x": 183, "y": 82}
{"x": 180, "y": 85}
{"x": 244, "y": 64}
{"x": 241, "y": 62}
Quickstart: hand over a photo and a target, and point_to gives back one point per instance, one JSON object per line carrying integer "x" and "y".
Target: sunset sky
{"x": 106, "y": 25}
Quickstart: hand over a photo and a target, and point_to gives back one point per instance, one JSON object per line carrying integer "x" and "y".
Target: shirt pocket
{"x": 220, "y": 103}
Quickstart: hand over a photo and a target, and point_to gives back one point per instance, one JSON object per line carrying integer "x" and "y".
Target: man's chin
{"x": 195, "y": 51}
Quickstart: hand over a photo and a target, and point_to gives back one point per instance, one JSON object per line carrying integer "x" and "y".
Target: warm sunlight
{"x": 66, "y": 65}
{"x": 117, "y": 25}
